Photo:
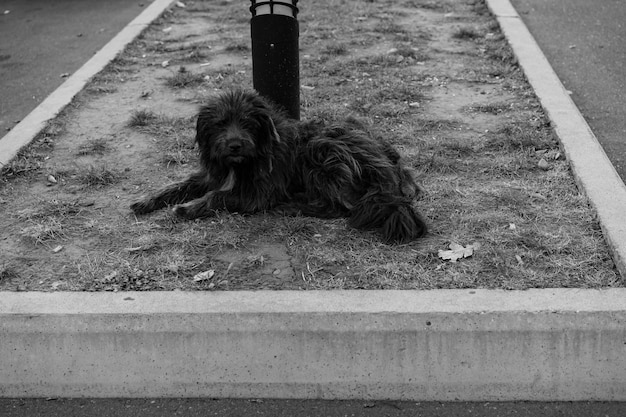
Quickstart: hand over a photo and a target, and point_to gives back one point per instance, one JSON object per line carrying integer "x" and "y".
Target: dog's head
{"x": 236, "y": 128}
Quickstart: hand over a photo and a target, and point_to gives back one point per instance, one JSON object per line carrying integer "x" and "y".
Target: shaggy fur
{"x": 253, "y": 158}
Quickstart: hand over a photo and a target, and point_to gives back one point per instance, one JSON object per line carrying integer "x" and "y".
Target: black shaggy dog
{"x": 253, "y": 158}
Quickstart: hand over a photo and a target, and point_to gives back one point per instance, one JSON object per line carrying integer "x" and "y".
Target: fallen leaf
{"x": 134, "y": 249}
{"x": 203, "y": 276}
{"x": 457, "y": 252}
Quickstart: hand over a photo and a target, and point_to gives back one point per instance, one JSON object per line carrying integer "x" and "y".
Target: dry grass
{"x": 184, "y": 78}
{"x": 446, "y": 92}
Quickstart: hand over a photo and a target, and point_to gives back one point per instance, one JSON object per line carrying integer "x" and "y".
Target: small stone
{"x": 543, "y": 164}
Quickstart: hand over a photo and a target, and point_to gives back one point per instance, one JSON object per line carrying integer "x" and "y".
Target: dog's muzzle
{"x": 234, "y": 150}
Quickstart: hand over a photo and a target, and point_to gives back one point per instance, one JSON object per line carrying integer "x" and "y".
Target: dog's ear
{"x": 271, "y": 128}
{"x": 205, "y": 126}
{"x": 263, "y": 112}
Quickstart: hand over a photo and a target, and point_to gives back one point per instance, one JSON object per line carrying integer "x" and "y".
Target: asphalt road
{"x": 584, "y": 42}
{"x": 295, "y": 408}
{"x": 40, "y": 40}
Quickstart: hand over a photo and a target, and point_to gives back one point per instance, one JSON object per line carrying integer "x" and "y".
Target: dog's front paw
{"x": 180, "y": 210}
{"x": 193, "y": 209}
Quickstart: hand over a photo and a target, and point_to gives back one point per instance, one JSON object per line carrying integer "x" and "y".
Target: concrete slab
{"x": 412, "y": 345}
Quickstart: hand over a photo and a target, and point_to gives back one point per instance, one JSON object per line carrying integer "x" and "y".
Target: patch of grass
{"x": 437, "y": 5}
{"x": 45, "y": 209}
{"x": 117, "y": 71}
{"x": 8, "y": 272}
{"x": 177, "y": 129}
{"x": 407, "y": 51}
{"x": 23, "y": 164}
{"x": 31, "y": 158}
{"x": 400, "y": 93}
{"x": 97, "y": 146}
{"x": 184, "y": 78}
{"x": 432, "y": 125}
{"x": 520, "y": 136}
{"x": 142, "y": 118}
{"x": 196, "y": 53}
{"x": 53, "y": 127}
{"x": 491, "y": 108}
{"x": 44, "y": 231}
{"x": 100, "y": 88}
{"x": 466, "y": 33}
{"x": 98, "y": 177}
{"x": 389, "y": 27}
{"x": 228, "y": 78}
{"x": 179, "y": 152}
{"x": 238, "y": 47}
{"x": 335, "y": 49}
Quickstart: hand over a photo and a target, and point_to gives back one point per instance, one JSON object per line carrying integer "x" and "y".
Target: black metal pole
{"x": 275, "y": 56}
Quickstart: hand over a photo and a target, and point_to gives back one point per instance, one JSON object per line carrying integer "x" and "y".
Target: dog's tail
{"x": 393, "y": 216}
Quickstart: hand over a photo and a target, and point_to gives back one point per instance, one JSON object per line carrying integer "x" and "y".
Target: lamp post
{"x": 275, "y": 60}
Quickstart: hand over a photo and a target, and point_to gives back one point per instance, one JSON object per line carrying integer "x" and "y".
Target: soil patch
{"x": 436, "y": 78}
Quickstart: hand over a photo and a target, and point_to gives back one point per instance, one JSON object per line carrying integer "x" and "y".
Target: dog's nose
{"x": 234, "y": 146}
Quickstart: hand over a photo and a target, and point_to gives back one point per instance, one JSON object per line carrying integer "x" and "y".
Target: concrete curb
{"x": 447, "y": 345}
{"x": 593, "y": 171}
{"x": 558, "y": 345}
{"x": 24, "y": 132}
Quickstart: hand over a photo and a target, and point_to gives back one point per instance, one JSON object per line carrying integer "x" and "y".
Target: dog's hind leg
{"x": 193, "y": 187}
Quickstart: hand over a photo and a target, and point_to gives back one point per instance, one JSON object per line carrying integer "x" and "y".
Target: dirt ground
{"x": 436, "y": 78}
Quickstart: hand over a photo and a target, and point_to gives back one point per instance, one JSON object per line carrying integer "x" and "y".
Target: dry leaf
{"x": 203, "y": 276}
{"x": 457, "y": 252}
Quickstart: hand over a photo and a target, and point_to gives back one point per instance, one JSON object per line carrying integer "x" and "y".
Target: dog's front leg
{"x": 211, "y": 201}
{"x": 193, "y": 187}
{"x": 200, "y": 207}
